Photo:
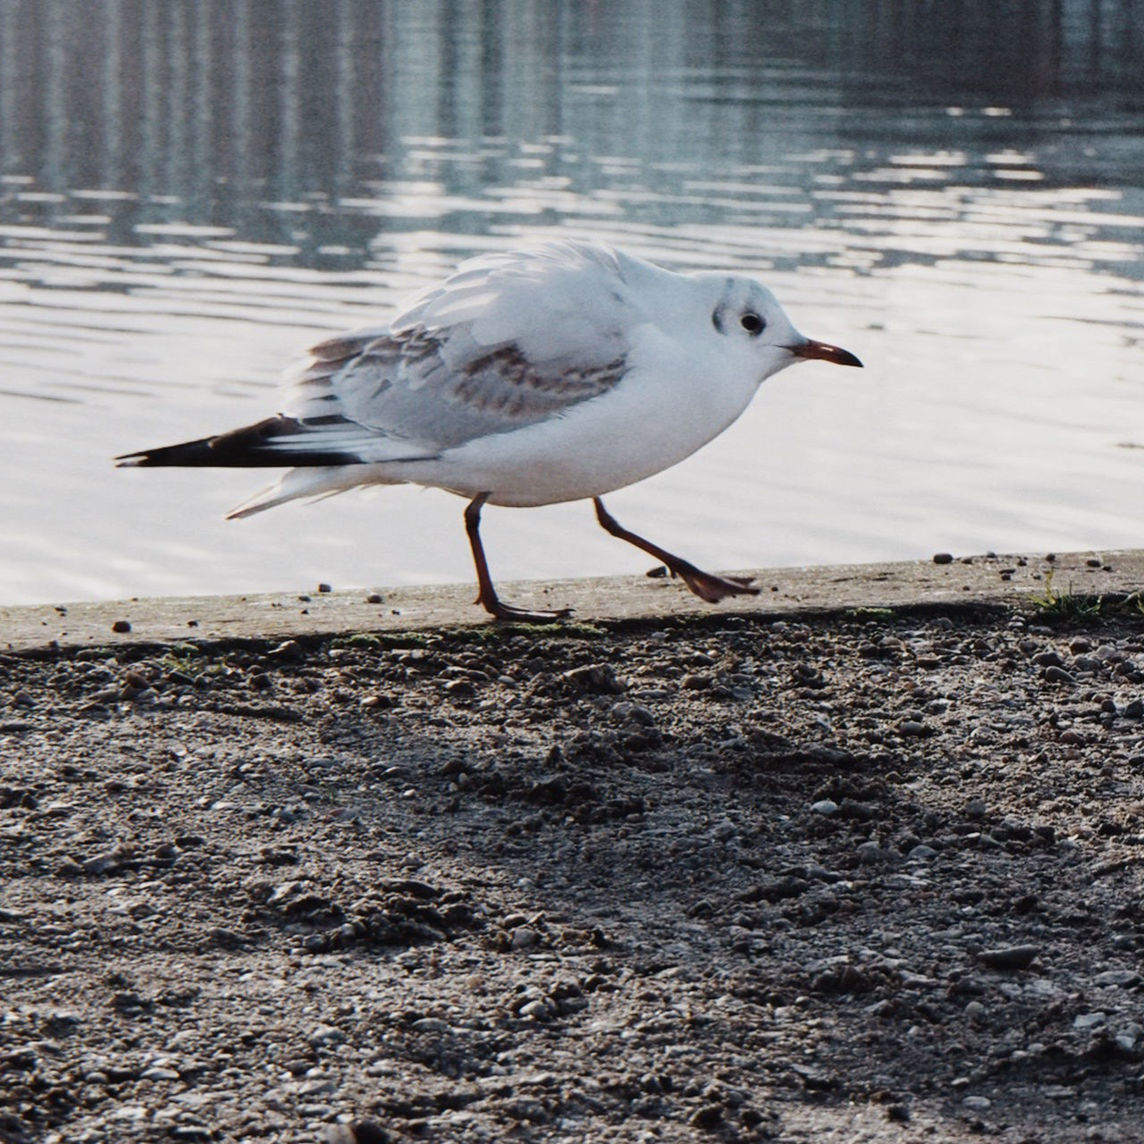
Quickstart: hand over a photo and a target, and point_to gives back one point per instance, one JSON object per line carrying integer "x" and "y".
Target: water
{"x": 192, "y": 193}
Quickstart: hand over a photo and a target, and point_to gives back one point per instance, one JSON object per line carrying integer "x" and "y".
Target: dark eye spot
{"x": 752, "y": 323}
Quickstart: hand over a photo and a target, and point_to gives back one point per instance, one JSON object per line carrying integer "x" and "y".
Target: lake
{"x": 190, "y": 194}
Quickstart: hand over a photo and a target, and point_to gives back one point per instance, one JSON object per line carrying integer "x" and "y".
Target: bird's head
{"x": 752, "y": 324}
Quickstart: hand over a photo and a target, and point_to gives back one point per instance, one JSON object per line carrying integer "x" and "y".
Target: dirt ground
{"x": 865, "y": 876}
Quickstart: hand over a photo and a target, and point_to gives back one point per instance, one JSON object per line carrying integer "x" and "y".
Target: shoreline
{"x": 1004, "y": 580}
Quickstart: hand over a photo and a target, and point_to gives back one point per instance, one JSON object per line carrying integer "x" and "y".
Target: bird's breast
{"x": 652, "y": 420}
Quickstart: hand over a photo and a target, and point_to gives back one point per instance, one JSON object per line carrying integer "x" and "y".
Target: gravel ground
{"x": 853, "y": 877}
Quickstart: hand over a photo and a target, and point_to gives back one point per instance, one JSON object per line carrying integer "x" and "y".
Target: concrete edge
{"x": 982, "y": 580}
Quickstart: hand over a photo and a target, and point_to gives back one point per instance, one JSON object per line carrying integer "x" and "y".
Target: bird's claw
{"x": 715, "y": 588}
{"x": 509, "y": 613}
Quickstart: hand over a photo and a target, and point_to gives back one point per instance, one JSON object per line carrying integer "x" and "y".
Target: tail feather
{"x": 307, "y": 483}
{"x": 249, "y": 447}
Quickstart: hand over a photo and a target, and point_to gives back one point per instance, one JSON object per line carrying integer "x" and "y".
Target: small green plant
{"x": 361, "y": 639}
{"x": 878, "y": 614}
{"x": 381, "y": 640}
{"x": 1066, "y": 605}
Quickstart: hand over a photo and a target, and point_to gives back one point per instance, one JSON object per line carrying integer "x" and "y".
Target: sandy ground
{"x": 860, "y": 876}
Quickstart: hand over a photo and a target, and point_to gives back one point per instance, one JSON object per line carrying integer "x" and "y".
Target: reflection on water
{"x": 191, "y": 192}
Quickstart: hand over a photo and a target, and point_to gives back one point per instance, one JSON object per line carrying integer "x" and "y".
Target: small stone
{"x": 324, "y": 588}
{"x": 1134, "y": 709}
{"x": 825, "y": 807}
{"x": 363, "y": 1132}
{"x": 100, "y": 864}
{"x": 977, "y": 1103}
{"x": 157, "y": 1073}
{"x": 595, "y": 677}
{"x": 871, "y": 854}
{"x": 460, "y": 689}
{"x": 975, "y": 1011}
{"x": 1082, "y": 1022}
{"x": 858, "y": 811}
{"x": 913, "y": 729}
{"x": 430, "y": 1025}
{"x": 1122, "y": 978}
{"x": 325, "y": 1035}
{"x": 1058, "y": 675}
{"x": 709, "y": 1117}
{"x": 121, "y": 627}
{"x": 1009, "y": 957}
{"x": 943, "y": 557}
{"x": 524, "y": 938}
{"x": 375, "y": 598}
{"x": 975, "y": 808}
{"x": 921, "y": 853}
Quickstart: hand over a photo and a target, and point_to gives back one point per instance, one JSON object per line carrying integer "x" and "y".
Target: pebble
{"x": 943, "y": 557}
{"x": 599, "y": 678}
{"x": 1058, "y": 675}
{"x": 121, "y": 627}
{"x": 430, "y": 1025}
{"x": 1118, "y": 977}
{"x": 100, "y": 863}
{"x": 363, "y": 1132}
{"x": 825, "y": 806}
{"x": 871, "y": 854}
{"x": 977, "y": 1103}
{"x": 1009, "y": 957}
{"x": 914, "y": 729}
{"x": 325, "y": 1035}
{"x": 1085, "y": 1021}
{"x": 524, "y": 938}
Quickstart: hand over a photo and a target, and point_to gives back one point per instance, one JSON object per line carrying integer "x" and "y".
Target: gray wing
{"x": 507, "y": 341}
{"x": 403, "y": 391}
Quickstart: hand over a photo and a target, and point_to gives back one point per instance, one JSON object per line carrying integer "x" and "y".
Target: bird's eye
{"x": 752, "y": 323}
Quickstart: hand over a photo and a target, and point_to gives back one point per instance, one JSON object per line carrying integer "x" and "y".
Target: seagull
{"x": 556, "y": 373}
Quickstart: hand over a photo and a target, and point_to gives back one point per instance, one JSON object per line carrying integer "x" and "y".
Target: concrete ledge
{"x": 988, "y": 579}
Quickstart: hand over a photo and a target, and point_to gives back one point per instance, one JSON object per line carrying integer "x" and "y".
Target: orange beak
{"x": 823, "y": 352}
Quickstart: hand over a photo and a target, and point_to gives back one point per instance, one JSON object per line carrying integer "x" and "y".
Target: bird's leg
{"x": 487, "y": 595}
{"x": 705, "y": 585}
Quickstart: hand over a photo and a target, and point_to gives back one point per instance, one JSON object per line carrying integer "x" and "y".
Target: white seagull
{"x": 553, "y": 374}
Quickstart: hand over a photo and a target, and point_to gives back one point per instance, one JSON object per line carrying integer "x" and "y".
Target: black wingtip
{"x": 252, "y": 446}
{"x": 188, "y": 453}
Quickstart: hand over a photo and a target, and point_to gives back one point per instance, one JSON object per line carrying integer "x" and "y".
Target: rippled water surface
{"x": 192, "y": 193}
